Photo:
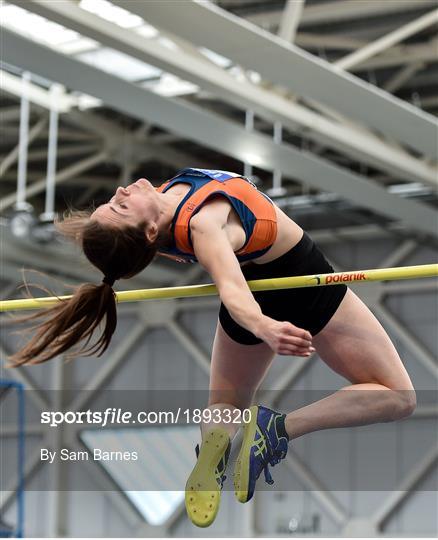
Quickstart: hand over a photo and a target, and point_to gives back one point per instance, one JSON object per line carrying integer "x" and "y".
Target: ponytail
{"x": 117, "y": 253}
{"x": 70, "y": 322}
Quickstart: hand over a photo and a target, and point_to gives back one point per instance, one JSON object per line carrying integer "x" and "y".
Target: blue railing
{"x": 17, "y": 529}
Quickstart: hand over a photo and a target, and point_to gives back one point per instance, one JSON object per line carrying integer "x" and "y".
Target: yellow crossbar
{"x": 356, "y": 276}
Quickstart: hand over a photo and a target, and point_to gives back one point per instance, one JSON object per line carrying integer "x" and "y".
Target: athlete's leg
{"x": 236, "y": 372}
{"x": 355, "y": 345}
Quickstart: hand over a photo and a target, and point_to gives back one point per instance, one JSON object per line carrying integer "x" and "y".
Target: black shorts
{"x": 310, "y": 308}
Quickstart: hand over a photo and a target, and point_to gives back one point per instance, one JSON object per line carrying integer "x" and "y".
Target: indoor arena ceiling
{"x": 145, "y": 91}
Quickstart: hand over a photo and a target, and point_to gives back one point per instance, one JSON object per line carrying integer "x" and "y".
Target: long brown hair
{"x": 117, "y": 253}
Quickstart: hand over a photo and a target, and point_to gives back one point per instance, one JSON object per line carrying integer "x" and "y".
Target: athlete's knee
{"x": 404, "y": 403}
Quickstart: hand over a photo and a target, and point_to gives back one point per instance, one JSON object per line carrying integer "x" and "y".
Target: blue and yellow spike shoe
{"x": 203, "y": 488}
{"x": 262, "y": 446}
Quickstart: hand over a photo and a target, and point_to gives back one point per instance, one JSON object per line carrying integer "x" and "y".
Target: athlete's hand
{"x": 285, "y": 338}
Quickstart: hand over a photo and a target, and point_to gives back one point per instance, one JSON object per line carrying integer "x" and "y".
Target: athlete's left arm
{"x": 215, "y": 253}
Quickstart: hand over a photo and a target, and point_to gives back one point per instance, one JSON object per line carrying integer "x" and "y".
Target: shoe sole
{"x": 241, "y": 469}
{"x": 203, "y": 494}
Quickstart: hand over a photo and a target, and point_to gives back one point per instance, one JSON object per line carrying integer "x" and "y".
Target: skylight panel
{"x": 79, "y": 46}
{"x": 147, "y": 31}
{"x": 166, "y": 456}
{"x": 112, "y": 13}
{"x": 168, "y": 43}
{"x": 156, "y": 506}
{"x": 216, "y": 58}
{"x": 35, "y": 26}
{"x": 120, "y": 64}
{"x": 170, "y": 85}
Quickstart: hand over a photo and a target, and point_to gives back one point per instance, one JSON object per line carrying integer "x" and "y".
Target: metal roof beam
{"x": 145, "y": 146}
{"x": 290, "y": 20}
{"x": 360, "y": 145}
{"x": 342, "y": 10}
{"x": 208, "y": 129}
{"x": 431, "y": 101}
{"x": 41, "y": 97}
{"x": 14, "y": 85}
{"x": 9, "y": 114}
{"x": 291, "y": 67}
{"x": 63, "y": 260}
{"x": 402, "y": 76}
{"x": 327, "y": 41}
{"x": 64, "y": 174}
{"x": 9, "y": 160}
{"x": 401, "y": 55}
{"x": 387, "y": 41}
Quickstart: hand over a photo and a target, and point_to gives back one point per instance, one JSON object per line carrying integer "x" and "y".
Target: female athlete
{"x": 236, "y": 233}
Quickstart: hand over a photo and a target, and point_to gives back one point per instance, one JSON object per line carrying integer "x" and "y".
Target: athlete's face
{"x": 131, "y": 205}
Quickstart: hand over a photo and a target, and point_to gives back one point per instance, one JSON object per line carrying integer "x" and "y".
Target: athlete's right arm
{"x": 214, "y": 251}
